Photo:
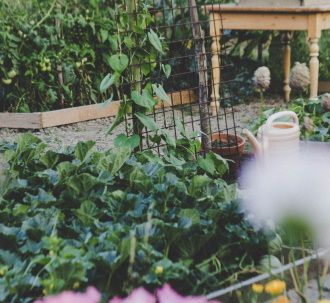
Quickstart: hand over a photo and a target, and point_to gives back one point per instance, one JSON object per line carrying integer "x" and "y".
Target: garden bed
{"x": 75, "y": 216}
{"x": 83, "y": 113}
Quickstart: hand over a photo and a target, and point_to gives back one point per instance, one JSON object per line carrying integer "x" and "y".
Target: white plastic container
{"x": 276, "y": 138}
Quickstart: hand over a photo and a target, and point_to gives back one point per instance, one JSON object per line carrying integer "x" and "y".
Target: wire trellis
{"x": 200, "y": 102}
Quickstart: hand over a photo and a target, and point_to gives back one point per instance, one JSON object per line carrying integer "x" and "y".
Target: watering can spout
{"x": 253, "y": 141}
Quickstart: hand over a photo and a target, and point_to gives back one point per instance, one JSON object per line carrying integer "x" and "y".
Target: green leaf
{"x": 104, "y": 35}
{"x": 108, "y": 81}
{"x": 189, "y": 217}
{"x": 50, "y": 159}
{"x": 87, "y": 212}
{"x": 167, "y": 70}
{"x": 148, "y": 122}
{"x": 124, "y": 141}
{"x": 119, "y": 62}
{"x": 26, "y": 140}
{"x": 142, "y": 100}
{"x": 168, "y": 137}
{"x": 155, "y": 41}
{"x": 82, "y": 149}
{"x": 326, "y": 118}
{"x": 123, "y": 108}
{"x": 206, "y": 164}
{"x": 66, "y": 169}
{"x": 82, "y": 184}
{"x": 7, "y": 257}
{"x": 197, "y": 186}
{"x": 118, "y": 158}
{"x": 160, "y": 93}
{"x": 45, "y": 197}
{"x": 213, "y": 163}
{"x": 129, "y": 42}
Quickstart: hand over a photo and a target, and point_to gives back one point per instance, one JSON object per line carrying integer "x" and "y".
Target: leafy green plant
{"x": 133, "y": 67}
{"x": 48, "y": 53}
{"x": 74, "y": 44}
{"x": 118, "y": 220}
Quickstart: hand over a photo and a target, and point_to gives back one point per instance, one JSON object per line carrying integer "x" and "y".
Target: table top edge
{"x": 224, "y": 8}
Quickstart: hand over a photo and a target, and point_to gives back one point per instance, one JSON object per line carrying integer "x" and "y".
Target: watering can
{"x": 276, "y": 139}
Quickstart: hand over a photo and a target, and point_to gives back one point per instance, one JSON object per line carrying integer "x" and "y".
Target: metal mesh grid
{"x": 172, "y": 21}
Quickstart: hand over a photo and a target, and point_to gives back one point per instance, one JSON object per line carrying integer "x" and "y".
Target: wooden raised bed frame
{"x": 39, "y": 120}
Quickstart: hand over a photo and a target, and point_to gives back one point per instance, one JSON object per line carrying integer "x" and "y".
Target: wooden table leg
{"x": 215, "y": 25}
{"x": 314, "y": 34}
{"x": 314, "y": 67}
{"x": 286, "y": 39}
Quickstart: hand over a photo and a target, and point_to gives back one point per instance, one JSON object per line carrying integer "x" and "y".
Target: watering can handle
{"x": 282, "y": 114}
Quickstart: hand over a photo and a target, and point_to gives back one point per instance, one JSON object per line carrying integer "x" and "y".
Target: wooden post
{"x": 314, "y": 34}
{"x": 286, "y": 39}
{"x": 58, "y": 26}
{"x": 198, "y": 35}
{"x": 215, "y": 24}
{"x": 132, "y": 9}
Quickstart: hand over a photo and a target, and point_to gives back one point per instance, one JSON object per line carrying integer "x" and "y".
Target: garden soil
{"x": 97, "y": 130}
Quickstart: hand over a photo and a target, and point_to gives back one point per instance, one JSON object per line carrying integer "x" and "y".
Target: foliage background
{"x": 37, "y": 38}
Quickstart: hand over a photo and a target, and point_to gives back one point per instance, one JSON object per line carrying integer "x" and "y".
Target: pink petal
{"x": 116, "y": 300}
{"x": 93, "y": 294}
{"x": 90, "y": 296}
{"x": 140, "y": 295}
{"x": 168, "y": 295}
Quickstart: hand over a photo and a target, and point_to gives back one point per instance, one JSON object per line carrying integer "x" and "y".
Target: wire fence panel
{"x": 189, "y": 63}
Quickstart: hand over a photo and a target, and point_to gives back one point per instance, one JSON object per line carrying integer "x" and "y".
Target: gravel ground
{"x": 96, "y": 130}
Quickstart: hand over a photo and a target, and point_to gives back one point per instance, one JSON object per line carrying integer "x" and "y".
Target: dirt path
{"x": 96, "y": 130}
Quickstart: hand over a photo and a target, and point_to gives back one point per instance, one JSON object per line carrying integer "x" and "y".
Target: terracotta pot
{"x": 233, "y": 153}
{"x": 224, "y": 151}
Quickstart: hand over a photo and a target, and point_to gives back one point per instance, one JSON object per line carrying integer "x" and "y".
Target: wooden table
{"x": 286, "y": 19}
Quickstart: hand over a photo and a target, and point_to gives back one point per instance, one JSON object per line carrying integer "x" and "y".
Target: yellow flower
{"x": 159, "y": 270}
{"x": 323, "y": 301}
{"x": 189, "y": 44}
{"x": 275, "y": 287}
{"x": 281, "y": 299}
{"x": 257, "y": 288}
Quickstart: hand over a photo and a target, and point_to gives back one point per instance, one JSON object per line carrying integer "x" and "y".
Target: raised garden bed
{"x": 65, "y": 116}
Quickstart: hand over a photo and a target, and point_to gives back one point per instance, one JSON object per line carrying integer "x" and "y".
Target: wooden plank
{"x": 256, "y": 21}
{"x": 79, "y": 114}
{"x": 224, "y": 8}
{"x": 65, "y": 116}
{"x": 21, "y": 120}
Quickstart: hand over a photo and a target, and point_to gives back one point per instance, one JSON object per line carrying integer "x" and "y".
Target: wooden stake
{"x": 59, "y": 65}
{"x": 132, "y": 6}
{"x": 198, "y": 35}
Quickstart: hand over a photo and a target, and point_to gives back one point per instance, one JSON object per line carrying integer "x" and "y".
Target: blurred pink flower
{"x": 139, "y": 295}
{"x": 168, "y": 295}
{"x": 90, "y": 296}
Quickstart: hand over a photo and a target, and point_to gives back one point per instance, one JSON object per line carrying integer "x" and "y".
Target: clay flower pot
{"x": 227, "y": 144}
{"x": 230, "y": 147}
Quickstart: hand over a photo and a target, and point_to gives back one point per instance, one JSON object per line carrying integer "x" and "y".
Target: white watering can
{"x": 276, "y": 139}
